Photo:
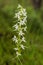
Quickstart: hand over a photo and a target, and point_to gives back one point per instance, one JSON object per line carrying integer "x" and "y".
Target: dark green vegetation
{"x": 34, "y": 54}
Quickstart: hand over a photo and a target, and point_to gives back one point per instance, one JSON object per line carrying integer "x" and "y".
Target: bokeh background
{"x": 33, "y": 55}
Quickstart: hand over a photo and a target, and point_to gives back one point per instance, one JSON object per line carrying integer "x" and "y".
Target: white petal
{"x": 22, "y": 46}
{"x": 16, "y": 49}
{"x": 18, "y": 54}
{"x": 19, "y": 6}
{"x": 15, "y": 39}
{"x": 23, "y": 39}
{"x": 25, "y": 28}
{"x": 21, "y": 33}
{"x": 16, "y": 26}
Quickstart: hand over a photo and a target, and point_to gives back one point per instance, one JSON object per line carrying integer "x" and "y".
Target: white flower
{"x": 19, "y": 6}
{"x": 21, "y": 33}
{"x": 24, "y": 10}
{"x": 24, "y": 19}
{"x": 22, "y": 46}
{"x": 18, "y": 54}
{"x": 20, "y": 27}
{"x": 23, "y": 39}
{"x": 25, "y": 28}
{"x": 15, "y": 39}
{"x": 20, "y": 13}
{"x": 22, "y": 22}
{"x": 16, "y": 49}
{"x": 17, "y": 15}
{"x": 16, "y": 27}
{"x": 24, "y": 13}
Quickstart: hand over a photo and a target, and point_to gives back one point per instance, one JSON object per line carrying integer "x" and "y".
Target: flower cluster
{"x": 20, "y": 28}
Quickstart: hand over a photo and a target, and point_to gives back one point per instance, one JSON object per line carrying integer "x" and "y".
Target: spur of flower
{"x": 20, "y": 27}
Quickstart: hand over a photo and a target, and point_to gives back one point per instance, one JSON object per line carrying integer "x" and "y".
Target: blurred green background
{"x": 33, "y": 55}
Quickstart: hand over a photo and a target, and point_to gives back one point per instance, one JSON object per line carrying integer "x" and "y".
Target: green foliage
{"x": 33, "y": 55}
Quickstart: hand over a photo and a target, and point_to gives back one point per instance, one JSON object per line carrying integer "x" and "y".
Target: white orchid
{"x": 15, "y": 39}
{"x": 20, "y": 27}
{"x": 16, "y": 26}
{"x": 16, "y": 49}
{"x": 22, "y": 22}
{"x": 22, "y": 46}
{"x": 25, "y": 28}
{"x": 24, "y": 19}
{"x": 24, "y": 12}
{"x": 23, "y": 39}
{"x": 19, "y": 6}
{"x": 18, "y": 54}
{"x": 21, "y": 33}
